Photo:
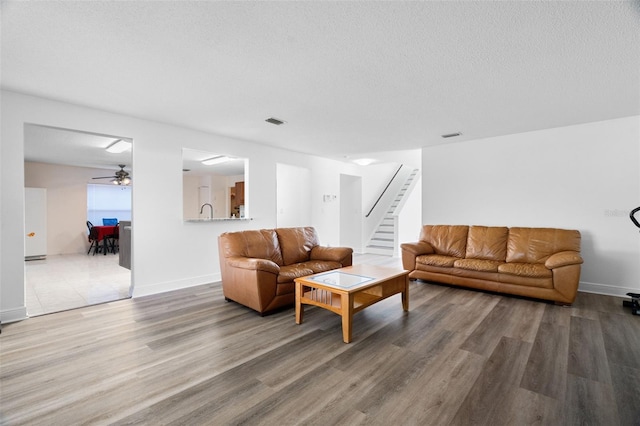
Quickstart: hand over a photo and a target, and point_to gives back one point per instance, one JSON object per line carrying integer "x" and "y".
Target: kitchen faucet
{"x": 207, "y": 204}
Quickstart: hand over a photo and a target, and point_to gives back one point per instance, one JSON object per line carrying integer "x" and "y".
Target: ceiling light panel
{"x": 216, "y": 160}
{"x": 119, "y": 146}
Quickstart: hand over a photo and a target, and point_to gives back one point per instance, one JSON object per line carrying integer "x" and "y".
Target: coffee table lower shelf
{"x": 333, "y": 301}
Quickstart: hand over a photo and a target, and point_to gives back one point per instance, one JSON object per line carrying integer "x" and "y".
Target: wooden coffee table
{"x": 348, "y": 290}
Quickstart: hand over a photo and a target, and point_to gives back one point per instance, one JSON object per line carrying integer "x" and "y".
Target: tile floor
{"x": 70, "y": 281}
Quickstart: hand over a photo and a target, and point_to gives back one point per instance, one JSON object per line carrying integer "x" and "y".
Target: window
{"x": 108, "y": 201}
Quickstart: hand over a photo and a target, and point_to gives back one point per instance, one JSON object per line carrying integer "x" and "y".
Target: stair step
{"x": 382, "y": 244}
{"x": 380, "y": 247}
{"x": 386, "y": 251}
{"x": 376, "y": 239}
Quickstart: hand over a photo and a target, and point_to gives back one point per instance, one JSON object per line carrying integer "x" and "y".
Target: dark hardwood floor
{"x": 458, "y": 357}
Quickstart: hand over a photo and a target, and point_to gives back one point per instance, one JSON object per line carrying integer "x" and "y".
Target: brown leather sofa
{"x": 542, "y": 263}
{"x": 258, "y": 266}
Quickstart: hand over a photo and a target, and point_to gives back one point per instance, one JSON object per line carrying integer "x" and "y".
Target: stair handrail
{"x": 383, "y": 191}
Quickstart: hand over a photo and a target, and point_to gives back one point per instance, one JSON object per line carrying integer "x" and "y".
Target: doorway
{"x": 351, "y": 212}
{"x": 62, "y": 162}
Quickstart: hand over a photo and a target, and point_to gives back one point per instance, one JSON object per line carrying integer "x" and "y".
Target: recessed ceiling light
{"x": 451, "y": 135}
{"x": 275, "y": 121}
{"x": 364, "y": 161}
{"x": 118, "y": 146}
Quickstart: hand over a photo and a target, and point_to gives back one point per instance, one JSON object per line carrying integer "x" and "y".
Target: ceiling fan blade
{"x": 105, "y": 177}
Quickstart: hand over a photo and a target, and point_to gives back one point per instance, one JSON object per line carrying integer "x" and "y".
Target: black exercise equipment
{"x": 634, "y": 303}
{"x": 632, "y": 216}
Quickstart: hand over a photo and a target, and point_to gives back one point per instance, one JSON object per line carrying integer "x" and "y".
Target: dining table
{"x": 103, "y": 231}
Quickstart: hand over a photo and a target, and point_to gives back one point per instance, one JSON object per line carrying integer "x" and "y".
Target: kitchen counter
{"x": 218, "y": 219}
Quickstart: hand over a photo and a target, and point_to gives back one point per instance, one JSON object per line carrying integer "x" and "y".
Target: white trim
{"x": 147, "y": 290}
{"x": 606, "y": 289}
{"x": 13, "y": 315}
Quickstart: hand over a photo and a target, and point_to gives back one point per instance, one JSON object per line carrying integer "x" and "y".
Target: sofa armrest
{"x": 421, "y": 247}
{"x": 412, "y": 250}
{"x": 343, "y": 255}
{"x": 563, "y": 258}
{"x": 253, "y": 264}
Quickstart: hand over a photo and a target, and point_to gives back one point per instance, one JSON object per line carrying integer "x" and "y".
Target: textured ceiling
{"x": 348, "y": 77}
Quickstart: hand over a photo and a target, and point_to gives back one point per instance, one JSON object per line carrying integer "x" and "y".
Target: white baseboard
{"x": 606, "y": 289}
{"x": 13, "y": 315}
{"x": 147, "y": 290}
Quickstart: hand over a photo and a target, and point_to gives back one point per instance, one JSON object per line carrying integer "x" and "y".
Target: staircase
{"x": 385, "y": 238}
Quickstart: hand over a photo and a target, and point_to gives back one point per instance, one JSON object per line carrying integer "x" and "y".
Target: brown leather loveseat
{"x": 542, "y": 263}
{"x": 258, "y": 266}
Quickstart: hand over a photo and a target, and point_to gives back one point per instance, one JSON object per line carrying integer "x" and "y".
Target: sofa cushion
{"x": 449, "y": 240}
{"x": 483, "y": 265}
{"x": 291, "y": 272}
{"x": 297, "y": 270}
{"x": 436, "y": 260}
{"x": 261, "y": 244}
{"x": 535, "y": 245}
{"x": 534, "y": 270}
{"x": 318, "y": 266}
{"x": 296, "y": 243}
{"x": 487, "y": 242}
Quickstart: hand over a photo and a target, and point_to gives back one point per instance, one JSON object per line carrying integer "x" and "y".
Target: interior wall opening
{"x": 67, "y": 264}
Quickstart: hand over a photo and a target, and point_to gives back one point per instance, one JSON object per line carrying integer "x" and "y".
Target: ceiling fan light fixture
{"x": 121, "y": 181}
{"x": 119, "y": 146}
{"x": 219, "y": 159}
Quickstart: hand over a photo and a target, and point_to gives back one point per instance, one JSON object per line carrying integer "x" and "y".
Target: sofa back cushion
{"x": 487, "y": 242}
{"x": 260, "y": 244}
{"x": 296, "y": 243}
{"x": 535, "y": 245}
{"x": 449, "y": 240}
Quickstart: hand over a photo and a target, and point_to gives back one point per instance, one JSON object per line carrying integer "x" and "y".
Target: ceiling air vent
{"x": 275, "y": 121}
{"x": 451, "y": 135}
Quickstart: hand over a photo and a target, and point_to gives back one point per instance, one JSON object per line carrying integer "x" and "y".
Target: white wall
{"x": 167, "y": 253}
{"x": 351, "y": 216}
{"x": 410, "y": 218}
{"x": 584, "y": 177}
{"x": 293, "y": 196}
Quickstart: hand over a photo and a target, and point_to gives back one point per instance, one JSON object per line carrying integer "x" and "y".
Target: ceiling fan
{"x": 121, "y": 177}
